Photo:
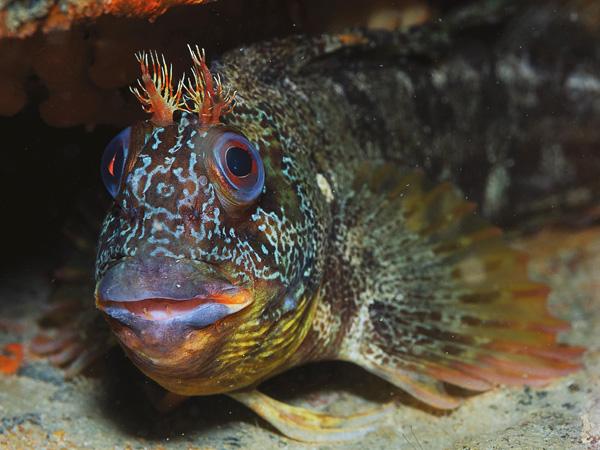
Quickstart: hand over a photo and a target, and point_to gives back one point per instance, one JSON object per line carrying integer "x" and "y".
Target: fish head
{"x": 209, "y": 258}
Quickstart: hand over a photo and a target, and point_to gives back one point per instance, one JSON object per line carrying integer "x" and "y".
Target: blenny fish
{"x": 273, "y": 211}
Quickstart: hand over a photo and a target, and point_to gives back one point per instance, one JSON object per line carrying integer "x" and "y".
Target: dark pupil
{"x": 239, "y": 161}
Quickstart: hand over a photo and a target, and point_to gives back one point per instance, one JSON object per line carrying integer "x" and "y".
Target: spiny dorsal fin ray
{"x": 447, "y": 299}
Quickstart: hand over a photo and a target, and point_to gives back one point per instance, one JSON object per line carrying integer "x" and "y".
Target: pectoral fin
{"x": 447, "y": 300}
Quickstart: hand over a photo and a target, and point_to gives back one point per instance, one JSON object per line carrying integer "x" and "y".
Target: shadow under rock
{"x": 128, "y": 405}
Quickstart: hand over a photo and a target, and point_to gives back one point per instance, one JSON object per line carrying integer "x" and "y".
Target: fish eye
{"x": 113, "y": 161}
{"x": 238, "y": 167}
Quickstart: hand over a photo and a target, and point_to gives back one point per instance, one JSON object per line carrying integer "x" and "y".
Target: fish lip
{"x": 140, "y": 278}
{"x": 161, "y": 293}
{"x": 197, "y": 313}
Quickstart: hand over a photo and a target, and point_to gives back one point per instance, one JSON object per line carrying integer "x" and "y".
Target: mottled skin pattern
{"x": 348, "y": 253}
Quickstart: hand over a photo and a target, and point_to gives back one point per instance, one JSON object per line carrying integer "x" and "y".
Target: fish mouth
{"x": 160, "y": 292}
{"x": 194, "y": 313}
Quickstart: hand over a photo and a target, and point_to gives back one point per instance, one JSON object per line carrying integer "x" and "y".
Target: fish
{"x": 272, "y": 211}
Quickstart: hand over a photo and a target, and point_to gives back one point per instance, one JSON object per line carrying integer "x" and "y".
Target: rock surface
{"x": 21, "y": 19}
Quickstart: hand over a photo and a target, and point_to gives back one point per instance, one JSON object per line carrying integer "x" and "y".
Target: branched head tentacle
{"x": 155, "y": 91}
{"x": 208, "y": 97}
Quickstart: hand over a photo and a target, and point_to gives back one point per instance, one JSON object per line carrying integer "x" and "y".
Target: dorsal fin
{"x": 290, "y": 55}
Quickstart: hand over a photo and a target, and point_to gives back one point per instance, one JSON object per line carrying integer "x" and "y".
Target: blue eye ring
{"x": 237, "y": 188}
{"x": 113, "y": 161}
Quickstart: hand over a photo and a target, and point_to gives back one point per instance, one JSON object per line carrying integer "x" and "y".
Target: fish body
{"x": 301, "y": 225}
